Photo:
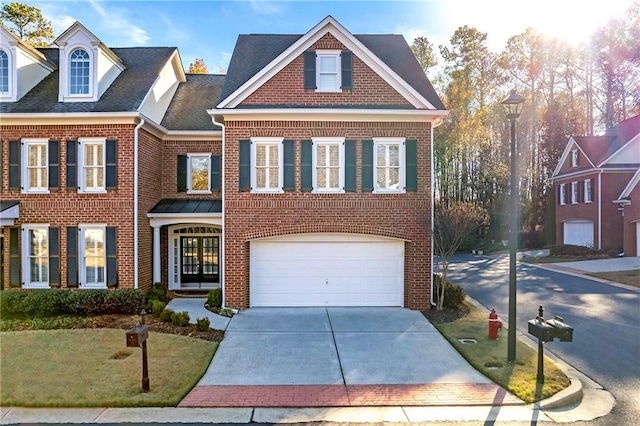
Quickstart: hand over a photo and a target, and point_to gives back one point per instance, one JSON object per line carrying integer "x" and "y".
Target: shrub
{"x": 571, "y": 250}
{"x": 214, "y": 298}
{"x": 203, "y": 324}
{"x": 454, "y": 294}
{"x": 158, "y": 292}
{"x": 124, "y": 301}
{"x": 157, "y": 306}
{"x": 226, "y": 312}
{"x": 165, "y": 316}
{"x": 180, "y": 318}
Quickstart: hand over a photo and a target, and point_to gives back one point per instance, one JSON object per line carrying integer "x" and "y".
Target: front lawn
{"x": 631, "y": 277}
{"x": 95, "y": 368}
{"x": 490, "y": 356}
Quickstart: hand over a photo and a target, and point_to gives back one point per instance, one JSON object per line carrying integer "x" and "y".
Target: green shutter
{"x": 411, "y": 164}
{"x": 347, "y": 70}
{"x": 289, "y": 165}
{"x": 111, "y": 152}
{"x": 350, "y": 166}
{"x": 310, "y": 69}
{"x": 367, "y": 165}
{"x": 54, "y": 164}
{"x": 54, "y": 257}
{"x": 72, "y": 164}
{"x": 14, "y": 164}
{"x": 15, "y": 279}
{"x": 306, "y": 166}
{"x": 182, "y": 173}
{"x": 215, "y": 173}
{"x": 112, "y": 257}
{"x": 72, "y": 257}
{"x": 245, "y": 165}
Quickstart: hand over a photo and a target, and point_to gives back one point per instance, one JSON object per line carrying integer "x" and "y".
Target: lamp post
{"x": 513, "y": 106}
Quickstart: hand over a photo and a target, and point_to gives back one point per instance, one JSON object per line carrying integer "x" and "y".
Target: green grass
{"x": 519, "y": 377}
{"x": 94, "y": 368}
{"x": 631, "y": 277}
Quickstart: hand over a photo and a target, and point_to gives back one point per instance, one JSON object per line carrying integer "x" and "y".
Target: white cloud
{"x": 266, "y": 7}
{"x": 116, "y": 28}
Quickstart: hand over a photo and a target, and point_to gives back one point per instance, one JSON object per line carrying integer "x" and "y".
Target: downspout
{"x": 600, "y": 210}
{"x": 135, "y": 201}
{"x": 433, "y": 194}
{"x": 222, "y": 183}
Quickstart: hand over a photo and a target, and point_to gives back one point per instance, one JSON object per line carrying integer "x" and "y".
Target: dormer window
{"x": 4, "y": 72}
{"x": 328, "y": 70}
{"x": 79, "y": 73}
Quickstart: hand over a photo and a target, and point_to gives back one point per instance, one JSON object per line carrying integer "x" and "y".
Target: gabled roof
{"x": 188, "y": 108}
{"x": 78, "y": 27}
{"x": 626, "y": 192}
{"x": 27, "y": 48}
{"x": 126, "y": 93}
{"x": 257, "y": 57}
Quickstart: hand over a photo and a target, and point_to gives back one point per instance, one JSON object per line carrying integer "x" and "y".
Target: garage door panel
{"x": 578, "y": 232}
{"x": 316, "y": 273}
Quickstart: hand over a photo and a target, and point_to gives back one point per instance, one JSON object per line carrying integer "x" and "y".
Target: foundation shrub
{"x": 203, "y": 324}
{"x": 165, "y": 316}
{"x": 214, "y": 298}
{"x": 180, "y": 319}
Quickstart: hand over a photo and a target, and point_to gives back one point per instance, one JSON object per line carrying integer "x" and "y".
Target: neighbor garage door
{"x": 327, "y": 270}
{"x": 579, "y": 233}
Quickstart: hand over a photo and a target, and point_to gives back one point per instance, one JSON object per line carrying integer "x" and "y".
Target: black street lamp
{"x": 513, "y": 107}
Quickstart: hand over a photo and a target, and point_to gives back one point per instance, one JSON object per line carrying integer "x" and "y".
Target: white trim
{"x": 334, "y": 114}
{"x": 222, "y": 190}
{"x": 574, "y": 158}
{"x": 563, "y": 158}
{"x": 599, "y": 210}
{"x": 629, "y": 142}
{"x": 563, "y": 194}
{"x": 587, "y": 190}
{"x": 26, "y": 271}
{"x": 136, "y": 190}
{"x": 173, "y": 282}
{"x": 168, "y": 219}
{"x": 267, "y": 141}
{"x": 24, "y": 166}
{"x": 11, "y": 95}
{"x": 327, "y": 141}
{"x": 575, "y": 192}
{"x": 402, "y": 171}
{"x": 335, "y": 54}
{"x": 630, "y": 186}
{"x": 82, "y": 270}
{"x": 190, "y": 157}
{"x": 81, "y": 165}
{"x": 327, "y": 25}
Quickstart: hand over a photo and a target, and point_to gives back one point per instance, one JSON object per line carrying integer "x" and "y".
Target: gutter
{"x": 222, "y": 184}
{"x": 136, "y": 157}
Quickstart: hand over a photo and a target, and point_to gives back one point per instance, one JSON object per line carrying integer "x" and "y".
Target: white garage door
{"x": 578, "y": 233}
{"x": 327, "y": 270}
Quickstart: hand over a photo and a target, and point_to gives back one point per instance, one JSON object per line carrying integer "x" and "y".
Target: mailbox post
{"x": 137, "y": 337}
{"x": 546, "y": 331}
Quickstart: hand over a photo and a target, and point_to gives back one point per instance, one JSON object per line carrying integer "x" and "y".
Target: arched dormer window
{"x": 4, "y": 72}
{"x": 79, "y": 73}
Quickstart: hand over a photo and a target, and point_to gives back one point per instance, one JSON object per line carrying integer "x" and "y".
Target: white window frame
{"x": 320, "y": 54}
{"x": 43, "y": 187}
{"x": 588, "y": 185}
{"x": 323, "y": 141}
{"x": 563, "y": 194}
{"x": 8, "y": 93}
{"x": 81, "y": 165}
{"x": 574, "y": 192}
{"x": 402, "y": 169}
{"x": 574, "y": 158}
{"x": 255, "y": 142}
{"x": 26, "y": 256}
{"x": 90, "y": 60}
{"x": 82, "y": 262}
{"x": 190, "y": 158}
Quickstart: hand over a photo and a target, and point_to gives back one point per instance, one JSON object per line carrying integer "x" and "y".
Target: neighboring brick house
{"x": 301, "y": 178}
{"x": 594, "y": 182}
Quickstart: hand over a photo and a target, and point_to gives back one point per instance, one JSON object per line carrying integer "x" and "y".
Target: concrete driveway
{"x": 335, "y": 346}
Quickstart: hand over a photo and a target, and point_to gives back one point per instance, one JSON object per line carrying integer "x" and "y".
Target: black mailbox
{"x": 561, "y": 330}
{"x": 541, "y": 330}
{"x": 137, "y": 335}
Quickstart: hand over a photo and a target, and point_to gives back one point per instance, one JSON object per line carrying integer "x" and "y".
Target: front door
{"x": 199, "y": 258}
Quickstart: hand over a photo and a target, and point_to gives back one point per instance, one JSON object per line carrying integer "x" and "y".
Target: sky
{"x": 208, "y": 29}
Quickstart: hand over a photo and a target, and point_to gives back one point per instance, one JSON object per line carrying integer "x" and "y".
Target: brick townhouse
{"x": 302, "y": 177}
{"x": 596, "y": 183}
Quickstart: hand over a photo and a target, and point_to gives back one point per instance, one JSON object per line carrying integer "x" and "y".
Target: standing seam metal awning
{"x": 186, "y": 206}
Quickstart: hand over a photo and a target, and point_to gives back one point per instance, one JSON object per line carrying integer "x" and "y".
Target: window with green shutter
{"x": 310, "y": 69}
{"x": 72, "y": 257}
{"x": 350, "y": 166}
{"x": 306, "y": 165}
{"x": 15, "y": 276}
{"x": 411, "y": 161}
{"x": 54, "y": 164}
{"x": 245, "y": 165}
{"x": 289, "y": 183}
{"x": 111, "y": 159}
{"x": 72, "y": 164}
{"x": 367, "y": 165}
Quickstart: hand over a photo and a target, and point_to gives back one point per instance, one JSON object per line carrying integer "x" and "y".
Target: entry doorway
{"x": 194, "y": 257}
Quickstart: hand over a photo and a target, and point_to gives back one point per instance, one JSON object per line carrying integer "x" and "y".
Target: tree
{"x": 198, "y": 67}
{"x": 453, "y": 222}
{"x": 423, "y": 50}
{"x": 27, "y": 23}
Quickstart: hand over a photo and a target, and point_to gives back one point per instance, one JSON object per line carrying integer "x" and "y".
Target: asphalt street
{"x": 605, "y": 318}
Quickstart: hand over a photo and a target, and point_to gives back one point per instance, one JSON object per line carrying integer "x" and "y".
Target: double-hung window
{"x": 92, "y": 165}
{"x": 389, "y": 164}
{"x": 93, "y": 256}
{"x": 267, "y": 171}
{"x": 79, "y": 73}
{"x": 563, "y": 193}
{"x": 36, "y": 165}
{"x": 575, "y": 193}
{"x": 328, "y": 165}
{"x": 574, "y": 158}
{"x": 199, "y": 173}
{"x": 328, "y": 71}
{"x": 35, "y": 246}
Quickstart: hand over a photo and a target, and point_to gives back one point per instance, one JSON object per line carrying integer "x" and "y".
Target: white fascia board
{"x": 634, "y": 139}
{"x": 630, "y": 186}
{"x": 567, "y": 150}
{"x": 162, "y": 219}
{"x": 329, "y": 24}
{"x": 69, "y": 118}
{"x": 333, "y": 114}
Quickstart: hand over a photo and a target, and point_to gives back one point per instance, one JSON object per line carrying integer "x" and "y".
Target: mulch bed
{"x": 126, "y": 322}
{"x": 445, "y": 315}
